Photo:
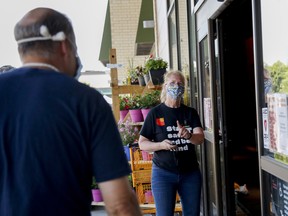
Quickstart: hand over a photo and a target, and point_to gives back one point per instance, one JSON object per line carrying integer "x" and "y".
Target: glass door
{"x": 233, "y": 87}
{"x": 227, "y": 84}
{"x": 210, "y": 151}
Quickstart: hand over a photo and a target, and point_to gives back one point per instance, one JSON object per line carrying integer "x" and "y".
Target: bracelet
{"x": 190, "y": 135}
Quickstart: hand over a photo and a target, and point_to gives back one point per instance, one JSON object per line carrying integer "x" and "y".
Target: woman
{"x": 171, "y": 130}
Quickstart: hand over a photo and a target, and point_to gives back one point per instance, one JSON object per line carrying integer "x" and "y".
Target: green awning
{"x": 106, "y": 43}
{"x": 144, "y": 39}
{"x": 145, "y": 36}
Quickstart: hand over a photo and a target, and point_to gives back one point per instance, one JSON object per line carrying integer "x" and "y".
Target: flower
{"x": 128, "y": 102}
{"x": 154, "y": 63}
{"x": 125, "y": 102}
{"x": 135, "y": 101}
{"x": 139, "y": 71}
{"x": 133, "y": 76}
{"x": 129, "y": 133}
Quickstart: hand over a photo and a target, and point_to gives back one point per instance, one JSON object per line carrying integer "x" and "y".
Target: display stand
{"x": 123, "y": 89}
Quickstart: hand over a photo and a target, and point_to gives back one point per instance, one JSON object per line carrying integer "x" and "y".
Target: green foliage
{"x": 135, "y": 101}
{"x": 130, "y": 180}
{"x": 150, "y": 99}
{"x": 94, "y": 184}
{"x": 284, "y": 85}
{"x": 155, "y": 64}
{"x": 279, "y": 75}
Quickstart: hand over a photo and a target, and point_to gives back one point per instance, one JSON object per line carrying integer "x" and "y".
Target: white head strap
{"x": 60, "y": 36}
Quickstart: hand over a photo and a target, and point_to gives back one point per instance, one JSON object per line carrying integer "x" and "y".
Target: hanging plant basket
{"x": 157, "y": 76}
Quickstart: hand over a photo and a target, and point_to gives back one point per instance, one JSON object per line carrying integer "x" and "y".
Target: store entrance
{"x": 237, "y": 122}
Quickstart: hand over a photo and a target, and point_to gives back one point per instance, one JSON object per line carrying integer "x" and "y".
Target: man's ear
{"x": 65, "y": 47}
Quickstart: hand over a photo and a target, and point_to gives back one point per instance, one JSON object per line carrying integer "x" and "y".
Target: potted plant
{"x": 124, "y": 103}
{"x": 140, "y": 75}
{"x": 129, "y": 134}
{"x": 149, "y": 100}
{"x": 132, "y": 76}
{"x": 156, "y": 67}
{"x": 135, "y": 108}
{"x": 146, "y": 75}
{"x": 96, "y": 193}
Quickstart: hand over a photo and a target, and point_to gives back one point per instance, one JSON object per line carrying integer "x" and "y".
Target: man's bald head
{"x": 46, "y": 36}
{"x": 35, "y": 15}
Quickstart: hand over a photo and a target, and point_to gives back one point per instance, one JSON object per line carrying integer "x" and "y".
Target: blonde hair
{"x": 167, "y": 76}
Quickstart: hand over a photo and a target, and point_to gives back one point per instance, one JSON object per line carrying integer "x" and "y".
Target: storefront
{"x": 242, "y": 48}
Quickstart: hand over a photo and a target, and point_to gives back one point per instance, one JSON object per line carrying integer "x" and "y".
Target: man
{"x": 55, "y": 132}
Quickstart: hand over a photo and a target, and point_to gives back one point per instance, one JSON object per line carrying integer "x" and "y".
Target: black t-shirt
{"x": 161, "y": 124}
{"x": 55, "y": 133}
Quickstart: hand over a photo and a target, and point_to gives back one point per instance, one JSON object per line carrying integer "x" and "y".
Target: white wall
{"x": 162, "y": 29}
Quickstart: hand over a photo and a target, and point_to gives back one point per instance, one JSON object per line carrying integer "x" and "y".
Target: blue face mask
{"x": 175, "y": 91}
{"x": 79, "y": 68}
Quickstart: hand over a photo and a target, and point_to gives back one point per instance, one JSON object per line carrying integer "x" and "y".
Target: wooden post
{"x": 114, "y": 85}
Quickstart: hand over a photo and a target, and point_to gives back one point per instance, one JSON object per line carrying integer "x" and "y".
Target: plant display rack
{"x": 123, "y": 89}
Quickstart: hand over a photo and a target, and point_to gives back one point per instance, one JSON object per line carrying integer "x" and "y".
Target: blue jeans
{"x": 165, "y": 185}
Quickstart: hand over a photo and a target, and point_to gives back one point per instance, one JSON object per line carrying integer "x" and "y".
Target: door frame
{"x": 210, "y": 136}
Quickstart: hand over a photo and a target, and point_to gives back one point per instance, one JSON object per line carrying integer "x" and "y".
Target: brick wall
{"x": 124, "y": 23}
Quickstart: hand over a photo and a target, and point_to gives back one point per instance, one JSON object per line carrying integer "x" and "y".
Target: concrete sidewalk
{"x": 98, "y": 211}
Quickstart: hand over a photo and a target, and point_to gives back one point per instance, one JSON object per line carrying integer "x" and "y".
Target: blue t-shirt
{"x": 161, "y": 124}
{"x": 55, "y": 134}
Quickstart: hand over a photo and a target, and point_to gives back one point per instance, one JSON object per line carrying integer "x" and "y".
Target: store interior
{"x": 239, "y": 105}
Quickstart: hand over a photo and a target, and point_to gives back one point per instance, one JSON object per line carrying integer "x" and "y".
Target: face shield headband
{"x": 60, "y": 36}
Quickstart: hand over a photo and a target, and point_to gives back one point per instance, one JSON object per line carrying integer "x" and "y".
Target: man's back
{"x": 50, "y": 147}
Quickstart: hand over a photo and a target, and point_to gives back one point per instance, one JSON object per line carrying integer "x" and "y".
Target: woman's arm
{"x": 150, "y": 146}
{"x": 197, "y": 137}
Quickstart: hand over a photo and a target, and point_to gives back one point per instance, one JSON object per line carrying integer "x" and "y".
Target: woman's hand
{"x": 183, "y": 132}
{"x": 197, "y": 137}
{"x": 147, "y": 145}
{"x": 167, "y": 145}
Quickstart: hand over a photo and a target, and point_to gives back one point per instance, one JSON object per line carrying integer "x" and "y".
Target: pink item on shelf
{"x": 146, "y": 156}
{"x": 136, "y": 115}
{"x": 97, "y": 196}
